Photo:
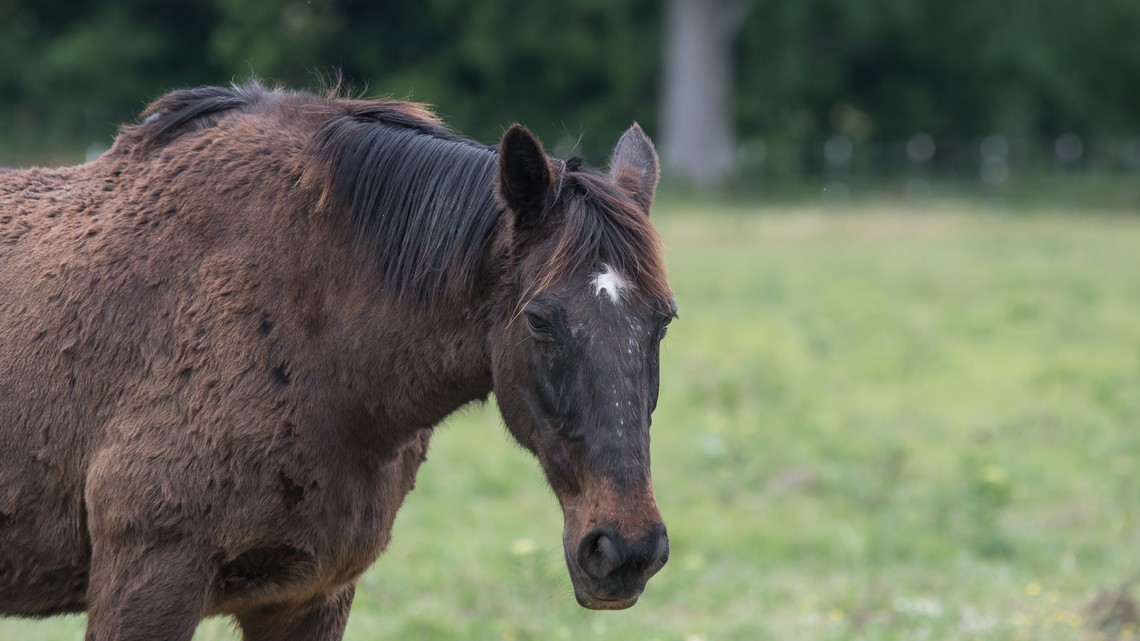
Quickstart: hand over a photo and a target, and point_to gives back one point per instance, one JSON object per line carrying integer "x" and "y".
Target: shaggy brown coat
{"x": 213, "y": 398}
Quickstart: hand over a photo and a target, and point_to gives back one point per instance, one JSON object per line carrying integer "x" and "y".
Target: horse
{"x": 225, "y": 343}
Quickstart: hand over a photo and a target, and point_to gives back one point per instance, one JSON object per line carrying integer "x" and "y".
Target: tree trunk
{"x": 698, "y": 142}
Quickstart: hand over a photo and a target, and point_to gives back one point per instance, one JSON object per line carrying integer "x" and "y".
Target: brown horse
{"x": 224, "y": 345}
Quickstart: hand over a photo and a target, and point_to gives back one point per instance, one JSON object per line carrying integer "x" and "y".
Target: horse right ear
{"x": 525, "y": 176}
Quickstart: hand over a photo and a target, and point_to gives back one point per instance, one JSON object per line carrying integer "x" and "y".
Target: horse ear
{"x": 525, "y": 176}
{"x": 635, "y": 167}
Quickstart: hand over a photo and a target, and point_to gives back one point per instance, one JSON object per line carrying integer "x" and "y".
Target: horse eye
{"x": 538, "y": 325}
{"x": 664, "y": 327}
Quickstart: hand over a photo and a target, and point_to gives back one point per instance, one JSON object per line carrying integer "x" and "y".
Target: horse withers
{"x": 225, "y": 342}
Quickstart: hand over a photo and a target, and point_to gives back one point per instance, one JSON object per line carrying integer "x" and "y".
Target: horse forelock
{"x": 602, "y": 228}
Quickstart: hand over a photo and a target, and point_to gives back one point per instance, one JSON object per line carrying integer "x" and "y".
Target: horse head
{"x": 575, "y": 354}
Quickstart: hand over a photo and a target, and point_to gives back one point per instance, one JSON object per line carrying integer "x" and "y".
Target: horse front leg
{"x": 148, "y": 592}
{"x": 321, "y": 618}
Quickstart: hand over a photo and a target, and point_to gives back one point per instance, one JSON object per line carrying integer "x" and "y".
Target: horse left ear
{"x": 635, "y": 167}
{"x": 525, "y": 176}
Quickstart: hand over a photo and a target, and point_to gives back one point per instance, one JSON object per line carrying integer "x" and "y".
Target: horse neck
{"x": 423, "y": 361}
{"x": 445, "y": 361}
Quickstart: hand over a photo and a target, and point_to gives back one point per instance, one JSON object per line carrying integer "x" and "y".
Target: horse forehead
{"x": 609, "y": 283}
{"x": 614, "y": 317}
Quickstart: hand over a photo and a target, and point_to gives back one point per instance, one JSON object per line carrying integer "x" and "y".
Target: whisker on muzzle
{"x": 561, "y": 597}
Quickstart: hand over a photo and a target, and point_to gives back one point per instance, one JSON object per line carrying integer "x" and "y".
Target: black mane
{"x": 421, "y": 198}
{"x": 187, "y": 110}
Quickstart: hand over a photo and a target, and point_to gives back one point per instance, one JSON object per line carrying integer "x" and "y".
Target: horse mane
{"x": 188, "y": 110}
{"x": 421, "y": 198}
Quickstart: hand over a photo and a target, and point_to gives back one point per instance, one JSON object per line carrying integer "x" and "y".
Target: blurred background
{"x": 773, "y": 98}
{"x": 903, "y": 397}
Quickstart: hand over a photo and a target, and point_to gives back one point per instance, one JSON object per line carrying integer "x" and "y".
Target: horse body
{"x": 213, "y": 400}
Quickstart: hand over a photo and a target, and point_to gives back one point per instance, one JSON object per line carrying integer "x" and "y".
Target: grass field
{"x": 874, "y": 424}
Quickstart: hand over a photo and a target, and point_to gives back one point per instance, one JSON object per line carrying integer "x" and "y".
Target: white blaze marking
{"x": 610, "y": 282}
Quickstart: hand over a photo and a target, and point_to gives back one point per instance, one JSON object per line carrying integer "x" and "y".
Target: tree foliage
{"x": 877, "y": 69}
{"x": 587, "y": 68}
{"x": 887, "y": 69}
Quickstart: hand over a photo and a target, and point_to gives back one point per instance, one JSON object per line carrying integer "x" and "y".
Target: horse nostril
{"x": 600, "y": 554}
{"x": 609, "y": 550}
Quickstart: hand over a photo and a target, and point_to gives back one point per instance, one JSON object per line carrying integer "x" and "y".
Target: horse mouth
{"x": 594, "y": 603}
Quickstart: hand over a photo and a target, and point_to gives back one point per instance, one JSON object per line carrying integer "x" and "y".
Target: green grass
{"x": 874, "y": 424}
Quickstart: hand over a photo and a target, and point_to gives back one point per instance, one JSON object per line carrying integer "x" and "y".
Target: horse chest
{"x": 321, "y": 534}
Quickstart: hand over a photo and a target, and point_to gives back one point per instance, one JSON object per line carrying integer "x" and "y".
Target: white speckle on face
{"x": 610, "y": 282}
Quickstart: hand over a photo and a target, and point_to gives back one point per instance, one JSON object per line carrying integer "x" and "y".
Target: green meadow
{"x": 878, "y": 422}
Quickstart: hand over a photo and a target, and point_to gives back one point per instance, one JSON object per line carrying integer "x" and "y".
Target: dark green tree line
{"x": 952, "y": 69}
{"x": 70, "y": 70}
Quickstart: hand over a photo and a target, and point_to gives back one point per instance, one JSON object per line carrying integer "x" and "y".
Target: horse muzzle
{"x": 609, "y": 571}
